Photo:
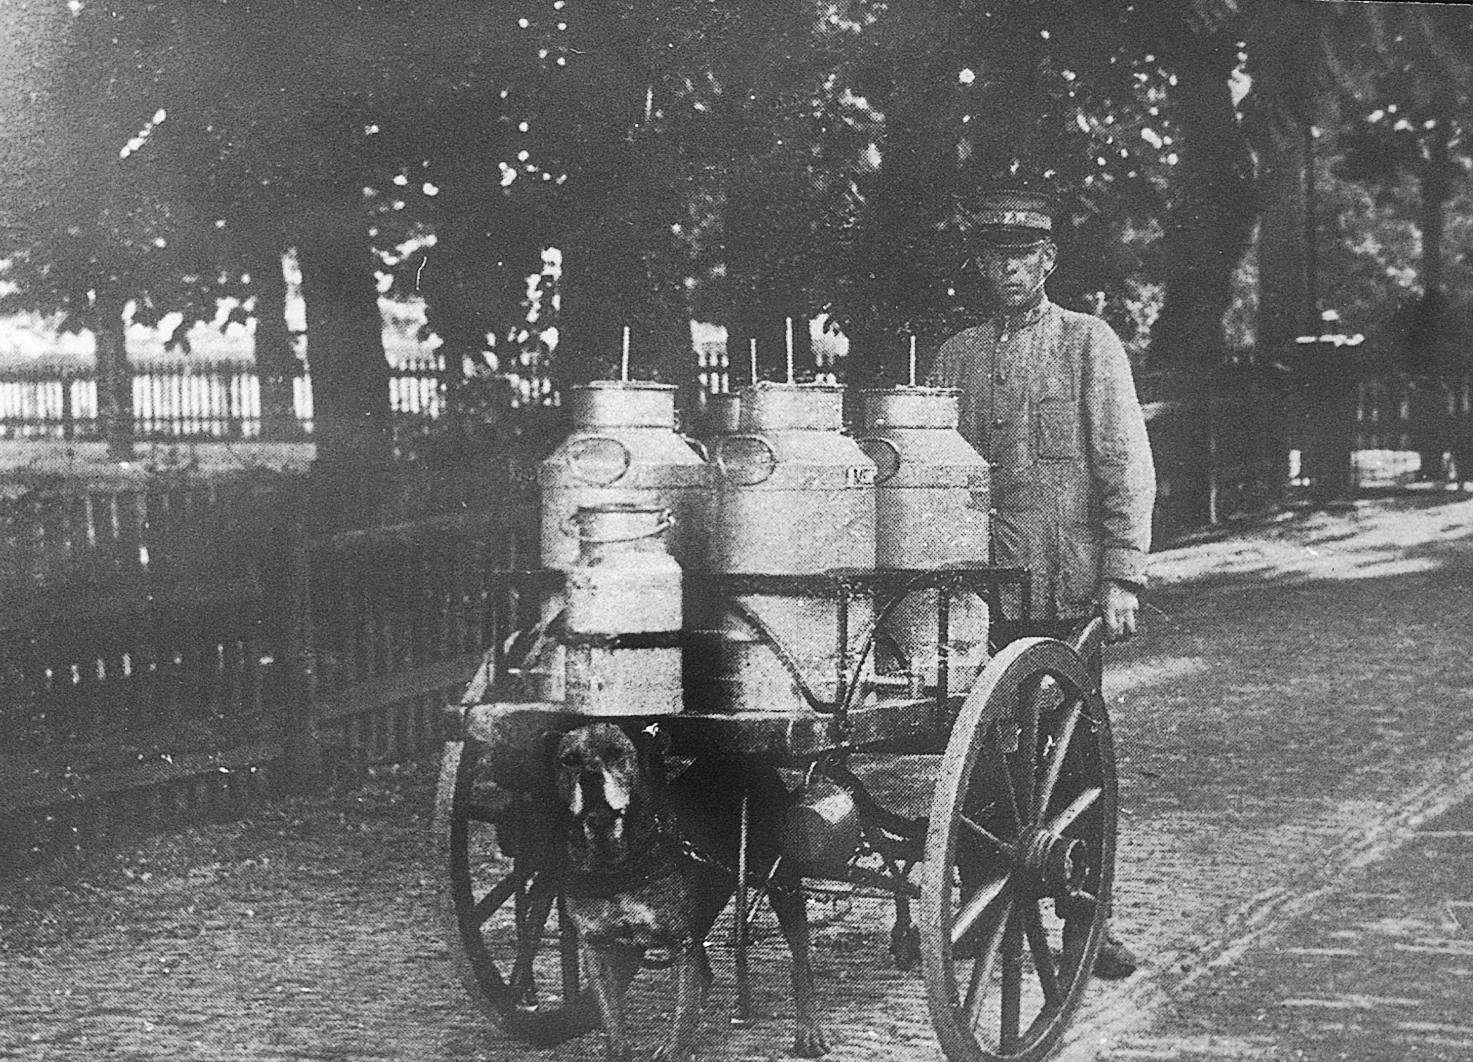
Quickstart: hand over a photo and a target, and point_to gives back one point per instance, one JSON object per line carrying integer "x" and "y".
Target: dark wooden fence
{"x": 171, "y": 652}
{"x": 1221, "y": 458}
{"x": 1399, "y": 411}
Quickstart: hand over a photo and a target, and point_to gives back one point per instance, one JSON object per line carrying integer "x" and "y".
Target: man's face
{"x": 1014, "y": 276}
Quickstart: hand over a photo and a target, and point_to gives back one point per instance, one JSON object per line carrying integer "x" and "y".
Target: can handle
{"x": 770, "y": 456}
{"x": 886, "y": 470}
{"x": 583, "y": 454}
{"x": 570, "y": 528}
{"x": 701, "y": 449}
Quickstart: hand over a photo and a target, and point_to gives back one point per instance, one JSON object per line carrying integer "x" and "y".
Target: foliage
{"x": 741, "y": 163}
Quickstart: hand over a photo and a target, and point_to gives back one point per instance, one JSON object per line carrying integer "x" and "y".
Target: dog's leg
{"x": 692, "y": 982}
{"x": 791, "y": 907}
{"x": 609, "y": 971}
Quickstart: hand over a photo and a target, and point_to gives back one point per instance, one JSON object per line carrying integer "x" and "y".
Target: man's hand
{"x": 1119, "y": 607}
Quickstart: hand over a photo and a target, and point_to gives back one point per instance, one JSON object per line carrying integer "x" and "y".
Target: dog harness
{"x": 662, "y": 859}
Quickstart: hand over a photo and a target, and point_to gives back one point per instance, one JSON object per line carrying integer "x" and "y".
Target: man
{"x": 1048, "y": 399}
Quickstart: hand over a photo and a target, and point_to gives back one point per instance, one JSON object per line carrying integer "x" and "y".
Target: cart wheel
{"x": 502, "y": 889}
{"x": 1024, "y": 813}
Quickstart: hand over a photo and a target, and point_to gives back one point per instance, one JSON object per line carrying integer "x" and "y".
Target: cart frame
{"x": 1003, "y": 752}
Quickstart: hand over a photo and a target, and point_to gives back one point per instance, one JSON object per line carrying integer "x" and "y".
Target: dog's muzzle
{"x": 595, "y": 787}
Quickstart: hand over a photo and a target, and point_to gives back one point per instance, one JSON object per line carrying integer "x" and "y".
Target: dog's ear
{"x": 548, "y": 747}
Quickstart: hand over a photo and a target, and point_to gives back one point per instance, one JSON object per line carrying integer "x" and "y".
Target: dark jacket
{"x": 1048, "y": 399}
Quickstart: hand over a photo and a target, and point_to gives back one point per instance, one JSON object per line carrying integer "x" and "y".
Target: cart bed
{"x": 897, "y": 724}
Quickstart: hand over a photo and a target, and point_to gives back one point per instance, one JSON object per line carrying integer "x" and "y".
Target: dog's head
{"x": 601, "y": 782}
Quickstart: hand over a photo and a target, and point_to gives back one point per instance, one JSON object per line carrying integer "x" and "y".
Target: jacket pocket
{"x": 1057, "y": 431}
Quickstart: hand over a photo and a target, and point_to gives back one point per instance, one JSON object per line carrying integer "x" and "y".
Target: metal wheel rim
{"x": 960, "y": 997}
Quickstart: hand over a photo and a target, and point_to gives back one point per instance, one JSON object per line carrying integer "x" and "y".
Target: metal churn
{"x": 721, "y": 417}
{"x": 932, "y": 496}
{"x": 623, "y": 448}
{"x": 625, "y": 588}
{"x": 794, "y": 496}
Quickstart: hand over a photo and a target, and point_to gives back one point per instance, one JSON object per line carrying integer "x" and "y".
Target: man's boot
{"x": 1114, "y": 961}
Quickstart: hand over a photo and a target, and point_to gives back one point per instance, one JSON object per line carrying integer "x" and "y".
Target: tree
{"x": 262, "y": 138}
{"x": 1409, "y": 121}
{"x": 90, "y": 227}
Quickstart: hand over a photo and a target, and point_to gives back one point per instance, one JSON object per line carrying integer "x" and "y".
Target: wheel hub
{"x": 1054, "y": 865}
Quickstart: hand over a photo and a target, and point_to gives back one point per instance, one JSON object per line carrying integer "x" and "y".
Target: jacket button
{"x": 998, "y": 423}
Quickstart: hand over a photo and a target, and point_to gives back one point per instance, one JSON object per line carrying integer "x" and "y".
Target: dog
{"x": 650, "y": 866}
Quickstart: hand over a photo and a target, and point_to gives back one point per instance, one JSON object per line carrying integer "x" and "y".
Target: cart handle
{"x": 1087, "y": 638}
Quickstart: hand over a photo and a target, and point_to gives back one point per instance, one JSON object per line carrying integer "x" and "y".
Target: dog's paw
{"x": 809, "y": 1041}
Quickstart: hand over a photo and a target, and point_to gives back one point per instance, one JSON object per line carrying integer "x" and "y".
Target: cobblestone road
{"x": 1292, "y": 725}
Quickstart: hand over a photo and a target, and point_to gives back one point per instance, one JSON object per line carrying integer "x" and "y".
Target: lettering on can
{"x": 860, "y": 476}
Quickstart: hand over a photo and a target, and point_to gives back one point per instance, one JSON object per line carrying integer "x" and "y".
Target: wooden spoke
{"x": 987, "y": 836}
{"x": 568, "y": 951}
{"x": 1010, "y": 801}
{"x": 492, "y": 902}
{"x": 982, "y": 969}
{"x": 534, "y": 906}
{"x": 1082, "y": 803}
{"x": 483, "y": 811}
{"x": 1012, "y": 984}
{"x": 975, "y": 907}
{"x": 1056, "y": 758}
{"x": 1043, "y": 959}
{"x": 1025, "y": 761}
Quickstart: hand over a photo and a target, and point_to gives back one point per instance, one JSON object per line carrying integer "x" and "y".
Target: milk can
{"x": 931, "y": 511}
{"x": 794, "y": 496}
{"x": 624, "y": 584}
{"x": 722, "y": 416}
{"x": 820, "y": 828}
{"x": 623, "y": 448}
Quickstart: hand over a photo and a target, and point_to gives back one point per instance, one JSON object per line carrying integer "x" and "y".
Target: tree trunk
{"x": 1283, "y": 295}
{"x": 750, "y": 343}
{"x": 277, "y": 366}
{"x": 605, "y": 289}
{"x": 1286, "y": 50}
{"x": 898, "y": 268}
{"x": 1432, "y": 335}
{"x": 1206, "y": 234}
{"x": 1435, "y": 191}
{"x": 352, "y": 421}
{"x": 623, "y": 267}
{"x": 593, "y": 309}
{"x": 114, "y": 378}
{"x": 473, "y": 281}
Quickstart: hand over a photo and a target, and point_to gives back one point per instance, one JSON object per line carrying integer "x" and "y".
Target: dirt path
{"x": 1299, "y": 707}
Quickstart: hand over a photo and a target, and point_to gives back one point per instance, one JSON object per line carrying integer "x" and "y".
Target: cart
{"x": 1009, "y": 874}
